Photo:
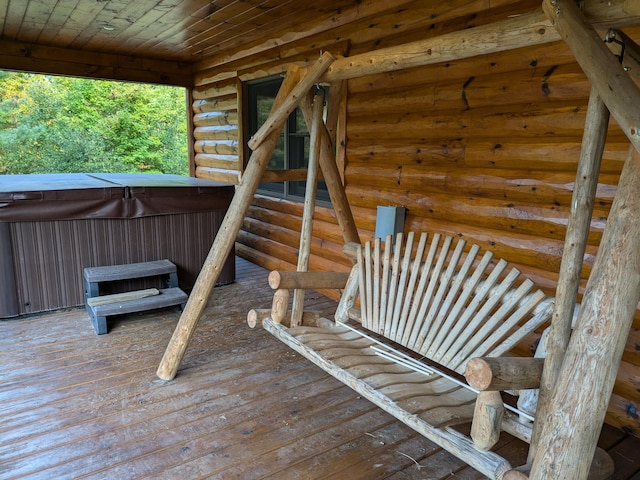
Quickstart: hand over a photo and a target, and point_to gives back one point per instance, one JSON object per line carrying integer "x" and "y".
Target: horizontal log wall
{"x": 484, "y": 148}
{"x": 216, "y": 132}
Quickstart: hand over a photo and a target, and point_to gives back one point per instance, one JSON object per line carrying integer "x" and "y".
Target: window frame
{"x": 290, "y": 135}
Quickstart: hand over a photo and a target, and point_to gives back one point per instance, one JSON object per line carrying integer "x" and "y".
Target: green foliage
{"x": 57, "y": 124}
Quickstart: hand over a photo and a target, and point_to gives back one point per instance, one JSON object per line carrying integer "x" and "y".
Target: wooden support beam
{"x": 531, "y": 29}
{"x": 504, "y": 373}
{"x": 317, "y": 280}
{"x": 294, "y": 175}
{"x": 280, "y": 305}
{"x": 619, "y": 93}
{"x": 309, "y": 318}
{"x": 229, "y": 229}
{"x": 584, "y": 194}
{"x": 306, "y": 231}
{"x": 581, "y": 394}
{"x": 333, "y": 180}
{"x": 30, "y": 57}
{"x": 512, "y": 33}
{"x": 487, "y": 420}
{"x": 277, "y": 117}
{"x": 334, "y": 107}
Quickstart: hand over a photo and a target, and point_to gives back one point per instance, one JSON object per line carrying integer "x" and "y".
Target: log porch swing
{"x": 405, "y": 296}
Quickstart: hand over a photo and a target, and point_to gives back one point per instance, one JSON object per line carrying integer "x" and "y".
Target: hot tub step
{"x": 167, "y": 297}
{"x": 100, "y": 307}
{"x": 111, "y": 273}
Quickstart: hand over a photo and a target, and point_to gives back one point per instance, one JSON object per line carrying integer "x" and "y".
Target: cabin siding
{"x": 216, "y": 132}
{"x": 484, "y": 148}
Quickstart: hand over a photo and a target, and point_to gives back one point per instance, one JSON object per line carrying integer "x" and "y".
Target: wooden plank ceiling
{"x": 174, "y": 30}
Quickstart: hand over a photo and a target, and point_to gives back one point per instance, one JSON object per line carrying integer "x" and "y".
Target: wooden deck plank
{"x": 77, "y": 405}
{"x": 203, "y": 427}
{"x": 290, "y": 460}
{"x": 261, "y": 438}
{"x": 112, "y": 411}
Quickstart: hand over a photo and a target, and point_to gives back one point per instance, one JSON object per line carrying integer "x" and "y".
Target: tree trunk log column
{"x": 584, "y": 194}
{"x": 578, "y": 404}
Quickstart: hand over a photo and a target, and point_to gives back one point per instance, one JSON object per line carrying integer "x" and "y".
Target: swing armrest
{"x": 282, "y": 282}
{"x": 491, "y": 375}
{"x": 504, "y": 373}
{"x": 279, "y": 279}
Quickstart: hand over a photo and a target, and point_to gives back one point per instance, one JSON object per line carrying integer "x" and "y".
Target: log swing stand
{"x": 389, "y": 330}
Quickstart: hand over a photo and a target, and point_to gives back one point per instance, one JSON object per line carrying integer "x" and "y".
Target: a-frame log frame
{"x": 306, "y": 231}
{"x": 295, "y": 86}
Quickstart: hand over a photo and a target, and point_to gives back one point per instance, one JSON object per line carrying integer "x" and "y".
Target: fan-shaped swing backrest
{"x": 444, "y": 301}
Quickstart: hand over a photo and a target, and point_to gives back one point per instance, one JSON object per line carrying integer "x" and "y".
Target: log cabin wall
{"x": 484, "y": 148}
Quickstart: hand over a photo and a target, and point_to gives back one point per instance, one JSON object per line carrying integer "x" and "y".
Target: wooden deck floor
{"x": 77, "y": 405}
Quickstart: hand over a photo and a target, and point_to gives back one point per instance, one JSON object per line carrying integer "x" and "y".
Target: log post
{"x": 333, "y": 179}
{"x": 229, "y": 229}
{"x": 579, "y": 400}
{"x": 584, "y": 193}
{"x": 256, "y": 315}
{"x": 487, "y": 420}
{"x": 306, "y": 231}
{"x": 280, "y": 305}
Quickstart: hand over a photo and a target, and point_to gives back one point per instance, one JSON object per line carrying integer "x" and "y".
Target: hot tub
{"x": 54, "y": 225}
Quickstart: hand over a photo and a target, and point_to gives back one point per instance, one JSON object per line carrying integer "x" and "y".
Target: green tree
{"x": 60, "y": 124}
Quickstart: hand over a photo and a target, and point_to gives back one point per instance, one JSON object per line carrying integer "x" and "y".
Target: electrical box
{"x": 389, "y": 221}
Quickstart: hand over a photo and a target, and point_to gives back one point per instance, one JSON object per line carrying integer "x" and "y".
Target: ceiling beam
{"x": 63, "y": 61}
{"x": 517, "y": 32}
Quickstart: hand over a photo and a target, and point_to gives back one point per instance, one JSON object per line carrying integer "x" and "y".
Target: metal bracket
{"x": 630, "y": 54}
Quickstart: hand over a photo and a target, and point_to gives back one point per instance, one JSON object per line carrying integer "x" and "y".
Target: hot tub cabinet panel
{"x": 49, "y": 235}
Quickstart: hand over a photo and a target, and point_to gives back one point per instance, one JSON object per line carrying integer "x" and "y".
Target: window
{"x": 292, "y": 149}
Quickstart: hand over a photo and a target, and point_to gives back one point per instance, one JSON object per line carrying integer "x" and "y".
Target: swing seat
{"x": 412, "y": 316}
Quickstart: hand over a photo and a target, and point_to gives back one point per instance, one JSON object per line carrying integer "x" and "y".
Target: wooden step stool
{"x": 100, "y": 307}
